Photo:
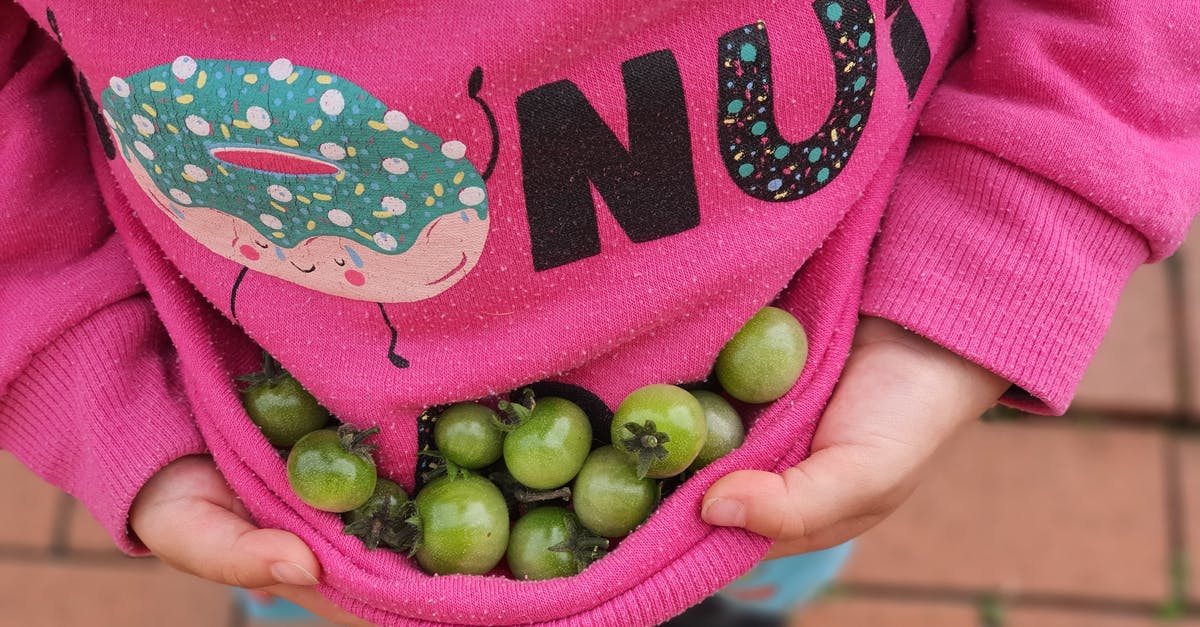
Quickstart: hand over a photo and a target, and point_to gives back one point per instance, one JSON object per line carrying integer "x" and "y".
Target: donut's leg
{"x": 233, "y": 292}
{"x": 474, "y": 84}
{"x": 396, "y": 360}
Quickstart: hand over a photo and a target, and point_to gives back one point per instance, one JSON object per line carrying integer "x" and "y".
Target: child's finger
{"x": 826, "y": 500}
{"x": 186, "y": 516}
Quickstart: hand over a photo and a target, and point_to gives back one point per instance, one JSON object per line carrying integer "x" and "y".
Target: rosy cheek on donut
{"x": 248, "y": 252}
{"x": 355, "y": 278}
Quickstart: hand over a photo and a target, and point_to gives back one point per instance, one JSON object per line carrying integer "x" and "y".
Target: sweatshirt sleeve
{"x": 89, "y": 398}
{"x": 1061, "y": 151}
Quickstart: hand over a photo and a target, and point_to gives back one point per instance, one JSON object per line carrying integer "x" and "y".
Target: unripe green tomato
{"x": 468, "y": 436}
{"x": 764, "y": 358}
{"x": 327, "y": 476}
{"x": 674, "y": 412}
{"x": 725, "y": 429}
{"x": 283, "y": 410}
{"x": 547, "y": 450}
{"x": 464, "y": 525}
{"x": 609, "y": 498}
{"x": 529, "y": 542}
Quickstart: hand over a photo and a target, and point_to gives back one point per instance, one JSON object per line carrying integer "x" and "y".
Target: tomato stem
{"x": 271, "y": 373}
{"x": 354, "y": 440}
{"x": 271, "y": 367}
{"x": 525, "y": 495}
{"x": 516, "y": 416}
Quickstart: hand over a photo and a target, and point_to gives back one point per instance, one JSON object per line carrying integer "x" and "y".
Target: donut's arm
{"x": 87, "y": 393}
{"x": 1061, "y": 151}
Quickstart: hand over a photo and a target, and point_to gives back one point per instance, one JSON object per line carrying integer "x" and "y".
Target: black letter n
{"x": 566, "y": 147}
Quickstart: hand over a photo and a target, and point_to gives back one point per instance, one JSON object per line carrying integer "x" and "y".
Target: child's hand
{"x": 188, "y": 517}
{"x": 899, "y": 398}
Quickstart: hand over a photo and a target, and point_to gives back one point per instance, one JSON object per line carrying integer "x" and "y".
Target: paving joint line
{"x": 1177, "y": 563}
{"x": 896, "y": 592}
{"x": 60, "y": 531}
{"x": 1181, "y": 355}
{"x": 1174, "y": 423}
{"x": 89, "y": 557}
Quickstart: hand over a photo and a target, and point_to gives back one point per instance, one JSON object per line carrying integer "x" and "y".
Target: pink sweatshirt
{"x": 415, "y": 203}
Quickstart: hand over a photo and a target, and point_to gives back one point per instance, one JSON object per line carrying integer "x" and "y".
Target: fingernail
{"x": 292, "y": 573}
{"x": 724, "y": 513}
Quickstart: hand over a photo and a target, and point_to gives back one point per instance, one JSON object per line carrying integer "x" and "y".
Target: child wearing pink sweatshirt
{"x": 411, "y": 204}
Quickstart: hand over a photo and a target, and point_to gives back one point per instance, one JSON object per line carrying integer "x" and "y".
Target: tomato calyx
{"x": 583, "y": 545}
{"x": 439, "y": 467}
{"x": 409, "y": 532}
{"x": 645, "y": 441}
{"x": 383, "y": 520}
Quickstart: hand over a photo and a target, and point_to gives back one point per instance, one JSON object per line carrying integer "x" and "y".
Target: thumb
{"x": 189, "y": 518}
{"x": 830, "y": 497}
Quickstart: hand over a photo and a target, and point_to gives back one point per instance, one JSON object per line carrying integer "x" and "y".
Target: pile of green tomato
{"x": 526, "y": 480}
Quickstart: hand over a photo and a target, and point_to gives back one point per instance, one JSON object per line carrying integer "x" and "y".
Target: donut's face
{"x": 302, "y": 175}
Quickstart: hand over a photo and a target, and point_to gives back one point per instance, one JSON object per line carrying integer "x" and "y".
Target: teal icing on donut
{"x": 291, "y": 150}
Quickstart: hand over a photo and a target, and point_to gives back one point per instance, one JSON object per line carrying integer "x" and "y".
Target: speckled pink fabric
{"x": 1042, "y": 177}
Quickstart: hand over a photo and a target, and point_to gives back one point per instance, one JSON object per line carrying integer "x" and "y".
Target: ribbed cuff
{"x": 99, "y": 411}
{"x": 1001, "y": 266}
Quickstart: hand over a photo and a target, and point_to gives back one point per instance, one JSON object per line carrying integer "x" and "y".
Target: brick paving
{"x": 1049, "y": 508}
{"x": 1133, "y": 370}
{"x": 1088, "y": 520}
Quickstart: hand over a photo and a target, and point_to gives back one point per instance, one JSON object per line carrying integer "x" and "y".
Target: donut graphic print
{"x": 302, "y": 175}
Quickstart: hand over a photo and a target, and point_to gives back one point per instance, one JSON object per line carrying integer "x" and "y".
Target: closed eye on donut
{"x": 340, "y": 262}
{"x": 263, "y": 245}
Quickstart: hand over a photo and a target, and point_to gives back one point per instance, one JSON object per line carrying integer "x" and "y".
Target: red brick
{"x": 1133, "y": 370}
{"x": 866, "y": 612}
{"x": 1047, "y": 507}
{"x": 85, "y": 534}
{"x": 29, "y": 505}
{"x": 115, "y": 593}
{"x": 1019, "y": 617}
{"x": 1190, "y": 462}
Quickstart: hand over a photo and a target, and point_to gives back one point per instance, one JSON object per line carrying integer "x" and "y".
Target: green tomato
{"x": 725, "y": 429}
{"x": 764, "y": 358}
{"x": 464, "y": 525}
{"x": 529, "y": 554}
{"x": 283, "y": 410}
{"x": 466, "y": 433}
{"x": 609, "y": 498}
{"x": 547, "y": 450}
{"x": 329, "y": 473}
{"x": 647, "y": 415}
